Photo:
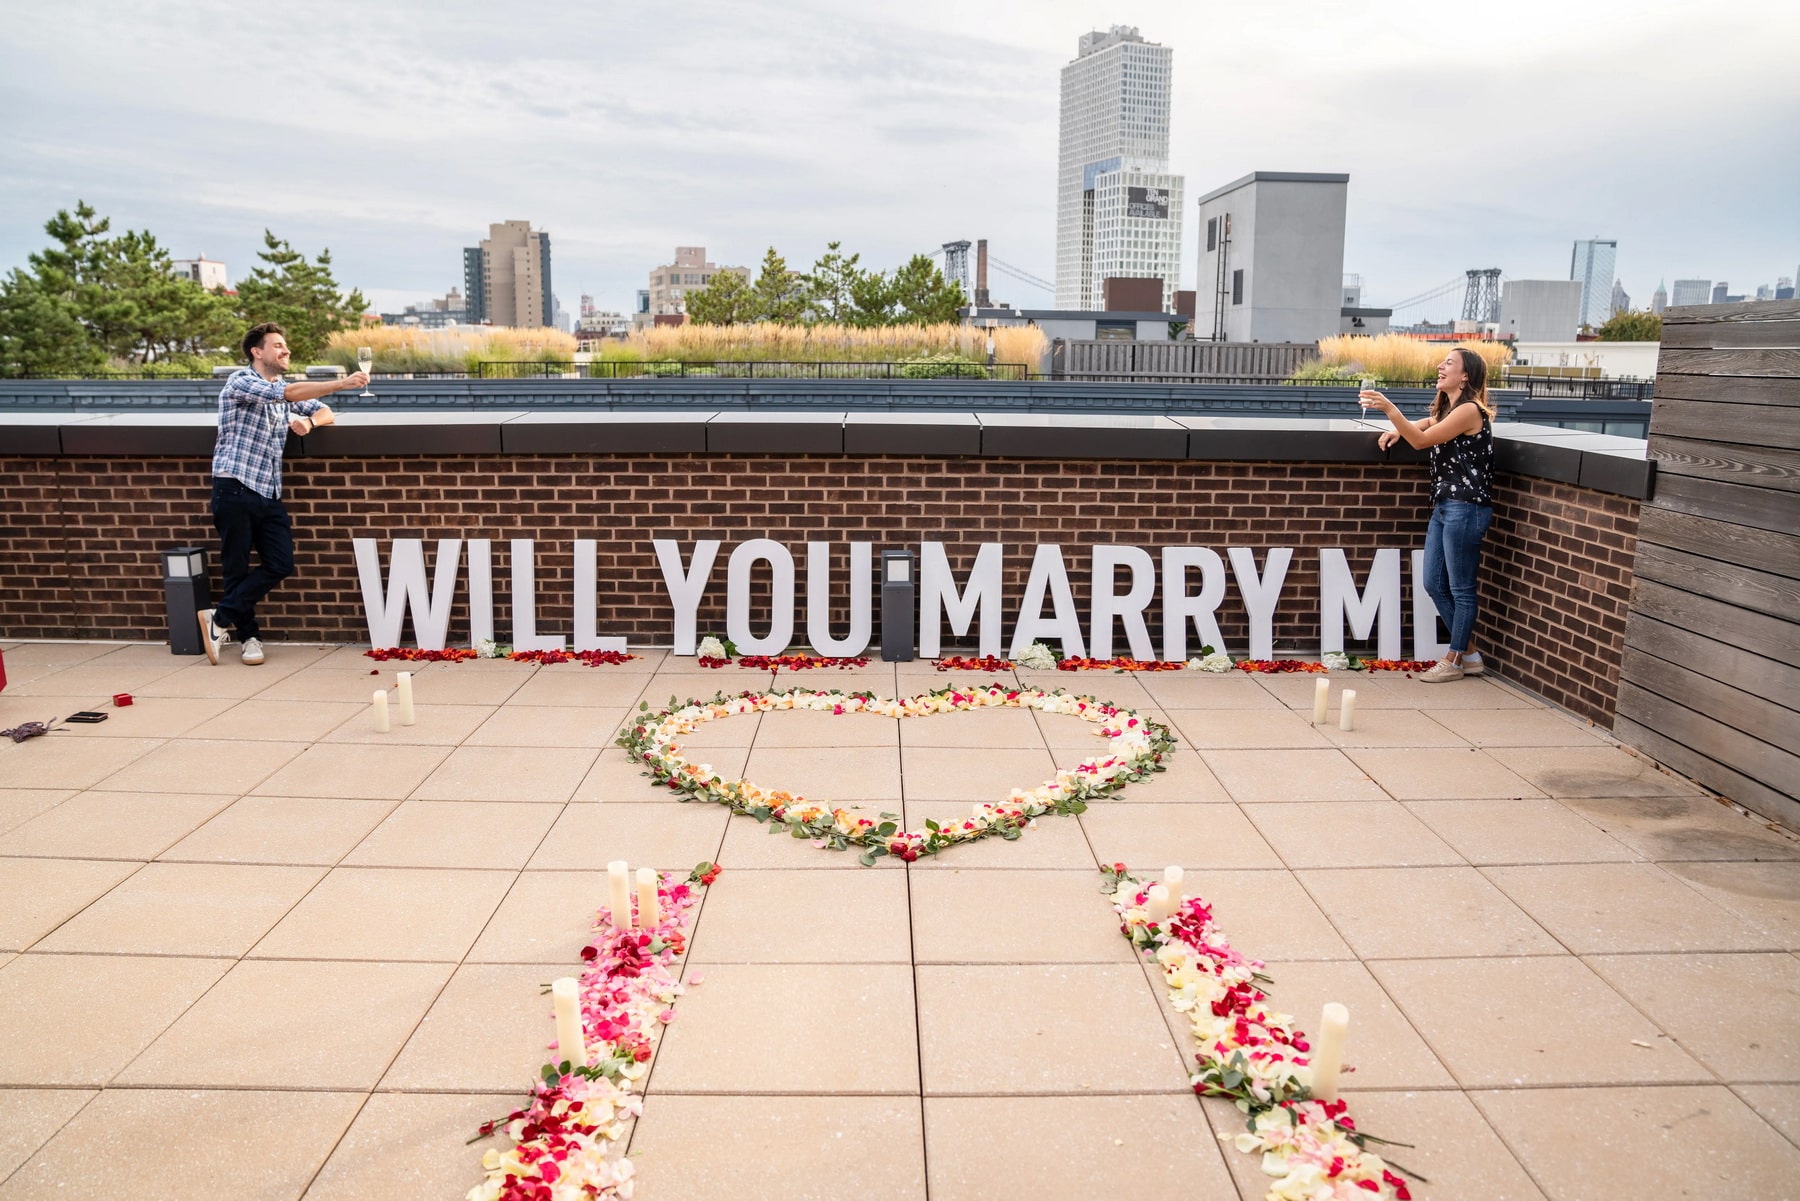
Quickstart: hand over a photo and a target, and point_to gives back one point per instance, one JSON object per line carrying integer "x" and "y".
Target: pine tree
{"x": 300, "y": 296}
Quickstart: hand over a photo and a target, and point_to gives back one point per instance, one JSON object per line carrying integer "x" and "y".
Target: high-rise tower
{"x": 1592, "y": 264}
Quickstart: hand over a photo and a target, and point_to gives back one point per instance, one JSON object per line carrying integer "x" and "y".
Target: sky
{"x": 394, "y": 133}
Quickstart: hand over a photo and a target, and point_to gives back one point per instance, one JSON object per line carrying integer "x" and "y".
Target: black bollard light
{"x": 186, "y": 592}
{"x": 899, "y": 607}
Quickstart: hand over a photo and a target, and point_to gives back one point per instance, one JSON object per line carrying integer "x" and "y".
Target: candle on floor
{"x": 1172, "y": 878}
{"x": 404, "y": 690}
{"x": 1328, "y": 1052}
{"x": 381, "y": 713}
{"x": 1347, "y": 710}
{"x": 1321, "y": 701}
{"x": 649, "y": 911}
{"x": 618, "y": 892}
{"x": 1157, "y": 908}
{"x": 570, "y": 1042}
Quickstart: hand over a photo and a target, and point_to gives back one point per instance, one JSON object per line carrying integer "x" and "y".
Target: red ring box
{"x": 121, "y": 699}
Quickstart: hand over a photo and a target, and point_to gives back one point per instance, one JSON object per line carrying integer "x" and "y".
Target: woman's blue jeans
{"x": 1452, "y": 559}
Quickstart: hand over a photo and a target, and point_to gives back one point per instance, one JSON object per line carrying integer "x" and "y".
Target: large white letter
{"x": 1261, "y": 595}
{"x": 781, "y": 597}
{"x": 1426, "y": 646}
{"x": 1338, "y": 596}
{"x": 587, "y": 602}
{"x": 818, "y": 600}
{"x": 686, "y": 587}
{"x": 1047, "y": 570}
{"x": 938, "y": 597}
{"x": 481, "y": 590}
{"x": 524, "y": 596}
{"x": 1129, "y": 608}
{"x": 1179, "y": 606}
{"x": 406, "y": 590}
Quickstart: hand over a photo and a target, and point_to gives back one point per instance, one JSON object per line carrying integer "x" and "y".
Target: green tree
{"x": 42, "y": 331}
{"x": 780, "y": 293}
{"x": 727, "y": 300}
{"x": 872, "y": 300}
{"x": 1634, "y": 326}
{"x": 831, "y": 286}
{"x": 299, "y": 295}
{"x": 922, "y": 294}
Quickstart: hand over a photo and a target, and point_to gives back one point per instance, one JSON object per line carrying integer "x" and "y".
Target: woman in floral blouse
{"x": 1460, "y": 435}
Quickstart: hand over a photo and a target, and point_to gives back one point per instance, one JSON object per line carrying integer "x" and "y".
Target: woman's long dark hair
{"x": 1474, "y": 387}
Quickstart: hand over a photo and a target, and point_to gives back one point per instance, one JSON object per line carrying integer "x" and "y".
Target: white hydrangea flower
{"x": 1335, "y": 660}
{"x": 1038, "y": 657}
{"x": 711, "y": 648}
{"x": 1216, "y": 662}
{"x": 486, "y": 648}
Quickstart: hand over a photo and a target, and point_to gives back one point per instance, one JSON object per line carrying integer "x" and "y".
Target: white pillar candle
{"x": 1321, "y": 700}
{"x": 570, "y": 1042}
{"x": 1157, "y": 907}
{"x": 1172, "y": 878}
{"x": 649, "y": 910}
{"x": 1328, "y": 1052}
{"x": 1347, "y": 710}
{"x": 618, "y": 893}
{"x": 404, "y": 690}
{"x": 381, "y": 713}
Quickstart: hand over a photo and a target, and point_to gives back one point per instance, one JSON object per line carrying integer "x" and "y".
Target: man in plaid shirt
{"x": 257, "y": 410}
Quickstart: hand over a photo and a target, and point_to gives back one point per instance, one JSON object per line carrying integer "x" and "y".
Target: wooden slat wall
{"x": 1710, "y": 683}
{"x": 1189, "y": 362}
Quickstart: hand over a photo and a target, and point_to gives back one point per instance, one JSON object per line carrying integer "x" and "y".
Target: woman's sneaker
{"x": 1472, "y": 664}
{"x": 253, "y": 652}
{"x": 1441, "y": 672}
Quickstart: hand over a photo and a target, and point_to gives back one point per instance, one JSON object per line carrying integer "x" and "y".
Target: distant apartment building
{"x": 1540, "y": 310}
{"x": 1119, "y": 209}
{"x": 1690, "y": 291}
{"x": 208, "y": 273}
{"x": 671, "y": 282}
{"x": 1721, "y": 292}
{"x": 507, "y": 277}
{"x": 1272, "y": 259}
{"x": 438, "y": 313}
{"x": 1592, "y": 266}
{"x": 1784, "y": 288}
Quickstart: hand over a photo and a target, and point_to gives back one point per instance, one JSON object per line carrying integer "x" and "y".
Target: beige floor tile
{"x": 1502, "y": 1023}
{"x": 29, "y": 1117}
{"x": 448, "y": 685}
{"x": 999, "y": 729}
{"x": 917, "y": 678}
{"x": 1425, "y": 912}
{"x": 293, "y": 1024}
{"x": 1204, "y": 690}
{"x": 52, "y": 1005}
{"x": 343, "y": 770}
{"x": 1388, "y": 729}
{"x": 1293, "y": 775}
{"x": 1150, "y": 837}
{"x": 1065, "y": 732}
{"x": 961, "y": 773}
{"x": 20, "y": 805}
{"x": 616, "y": 776}
{"x": 547, "y": 917}
{"x": 1443, "y": 774}
{"x": 1591, "y": 771}
{"x": 1524, "y": 831}
{"x": 719, "y": 735}
{"x": 495, "y": 773}
{"x": 583, "y": 687}
{"x": 455, "y": 834}
{"x": 49, "y": 708}
{"x": 151, "y": 717}
{"x": 1599, "y": 907}
{"x": 867, "y": 1010}
{"x": 1294, "y": 690}
{"x": 1689, "y": 828}
{"x": 782, "y": 1148}
{"x": 1053, "y": 841}
{"x": 434, "y": 725}
{"x": 491, "y": 1029}
{"x": 1383, "y": 1046}
{"x": 1776, "y": 1104}
{"x": 703, "y": 685}
{"x": 1767, "y": 894}
{"x": 665, "y": 835}
{"x": 230, "y": 680}
{"x": 877, "y": 675}
{"x": 1129, "y": 689}
{"x": 1349, "y": 834}
{"x": 91, "y": 678}
{"x": 389, "y": 913}
{"x": 1248, "y": 729}
{"x": 68, "y": 760}
{"x": 204, "y": 765}
{"x": 113, "y": 825}
{"x": 1013, "y": 917}
{"x": 1185, "y": 777}
{"x": 825, "y": 774}
{"x": 1266, "y": 914}
{"x": 812, "y": 728}
{"x": 1751, "y": 1038}
{"x": 1647, "y": 1142}
{"x": 279, "y": 829}
{"x": 411, "y": 1145}
{"x": 186, "y": 909}
{"x": 315, "y": 685}
{"x": 167, "y": 1145}
{"x": 515, "y": 725}
{"x": 38, "y": 895}
{"x": 749, "y": 843}
{"x": 1521, "y": 727}
{"x": 1107, "y": 1146}
{"x": 805, "y": 916}
{"x": 26, "y": 657}
{"x": 1061, "y": 1029}
{"x": 1466, "y": 693}
{"x": 276, "y": 721}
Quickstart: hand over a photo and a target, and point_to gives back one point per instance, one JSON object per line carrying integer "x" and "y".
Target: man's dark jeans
{"x": 245, "y": 521}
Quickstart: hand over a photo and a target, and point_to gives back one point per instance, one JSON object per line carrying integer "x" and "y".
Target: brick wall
{"x": 82, "y": 535}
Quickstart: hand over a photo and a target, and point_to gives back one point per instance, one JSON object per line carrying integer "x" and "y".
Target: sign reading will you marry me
{"x": 1193, "y": 580}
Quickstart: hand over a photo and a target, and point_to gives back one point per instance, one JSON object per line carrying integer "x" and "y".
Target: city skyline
{"x": 893, "y": 132}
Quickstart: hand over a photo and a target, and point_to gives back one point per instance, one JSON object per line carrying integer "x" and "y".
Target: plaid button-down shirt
{"x": 253, "y": 427}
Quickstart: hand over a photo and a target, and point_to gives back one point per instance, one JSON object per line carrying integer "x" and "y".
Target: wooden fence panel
{"x": 1106, "y": 361}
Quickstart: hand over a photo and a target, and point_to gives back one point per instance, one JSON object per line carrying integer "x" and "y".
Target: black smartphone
{"x": 85, "y": 718}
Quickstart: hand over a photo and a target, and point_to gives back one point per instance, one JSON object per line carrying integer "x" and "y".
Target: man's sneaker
{"x": 1441, "y": 671}
{"x": 211, "y": 636}
{"x": 1472, "y": 664}
{"x": 253, "y": 651}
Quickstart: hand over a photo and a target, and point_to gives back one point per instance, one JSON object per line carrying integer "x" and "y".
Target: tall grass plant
{"x": 1392, "y": 359}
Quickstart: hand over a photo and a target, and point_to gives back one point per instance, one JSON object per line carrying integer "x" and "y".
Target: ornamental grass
{"x": 1392, "y": 359}
{"x": 402, "y": 351}
{"x": 765, "y": 342}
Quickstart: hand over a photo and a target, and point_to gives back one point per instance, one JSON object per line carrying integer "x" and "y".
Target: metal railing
{"x": 754, "y": 369}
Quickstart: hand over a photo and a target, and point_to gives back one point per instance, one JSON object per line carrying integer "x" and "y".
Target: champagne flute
{"x": 365, "y": 359}
{"x": 1367, "y": 385}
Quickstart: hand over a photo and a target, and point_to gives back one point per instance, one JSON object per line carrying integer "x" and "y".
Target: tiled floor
{"x": 249, "y": 947}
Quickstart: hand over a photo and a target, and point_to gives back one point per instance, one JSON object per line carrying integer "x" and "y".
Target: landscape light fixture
{"x": 899, "y": 607}
{"x": 185, "y": 592}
